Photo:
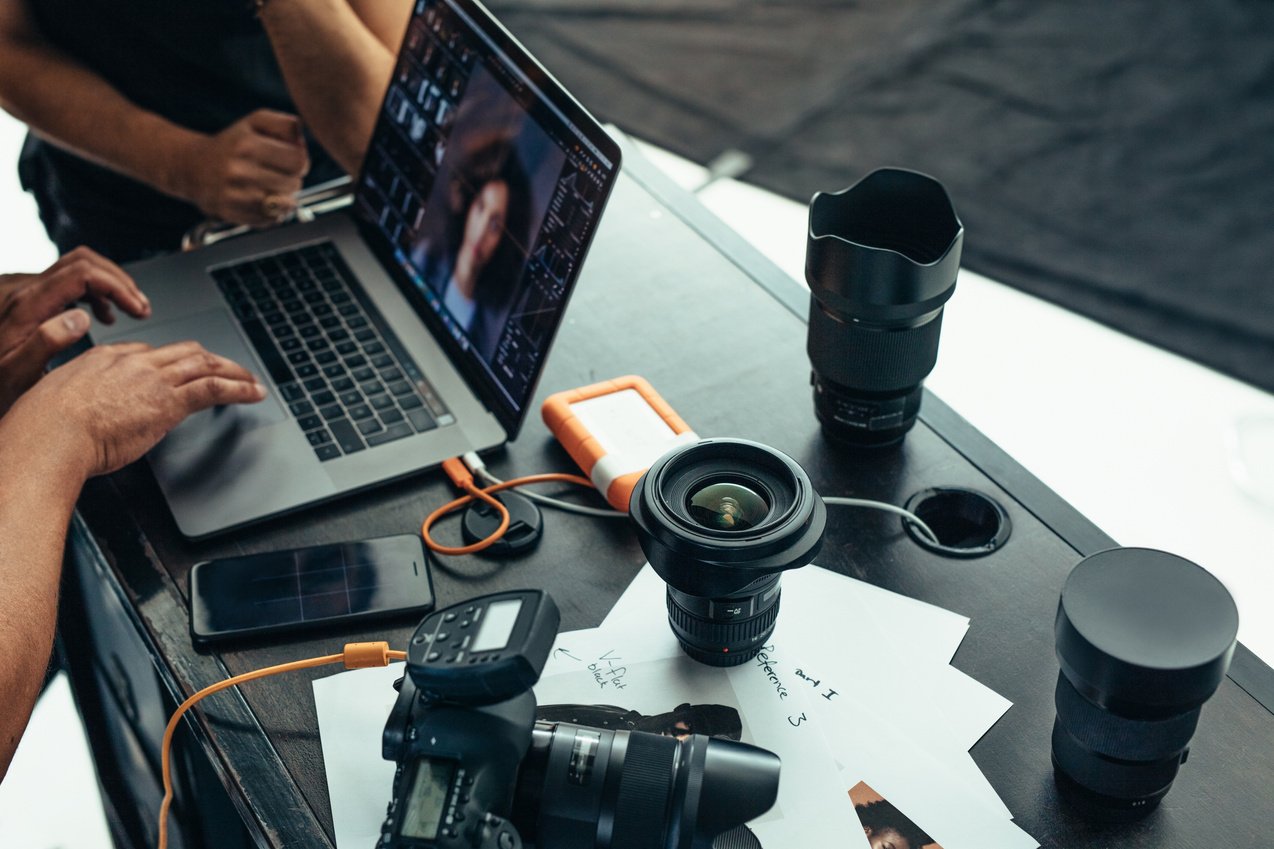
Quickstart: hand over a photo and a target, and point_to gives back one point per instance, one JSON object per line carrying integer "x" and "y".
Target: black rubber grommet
{"x": 967, "y": 523}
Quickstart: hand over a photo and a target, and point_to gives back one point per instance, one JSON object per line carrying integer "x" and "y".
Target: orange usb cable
{"x": 354, "y": 656}
{"x": 460, "y": 475}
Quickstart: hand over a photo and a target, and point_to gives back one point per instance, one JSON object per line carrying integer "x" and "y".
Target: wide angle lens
{"x": 719, "y": 521}
{"x": 590, "y": 788}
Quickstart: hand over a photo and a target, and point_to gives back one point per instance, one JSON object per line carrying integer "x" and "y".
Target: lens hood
{"x": 713, "y": 562}
{"x": 885, "y": 250}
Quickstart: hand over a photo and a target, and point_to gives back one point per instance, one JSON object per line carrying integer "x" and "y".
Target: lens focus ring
{"x": 1109, "y": 734}
{"x": 641, "y": 809}
{"x": 871, "y": 359}
{"x": 719, "y": 643}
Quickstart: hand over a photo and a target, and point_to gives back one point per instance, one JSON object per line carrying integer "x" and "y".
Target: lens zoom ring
{"x": 1114, "y": 736}
{"x": 871, "y": 359}
{"x": 706, "y": 633}
{"x": 641, "y": 809}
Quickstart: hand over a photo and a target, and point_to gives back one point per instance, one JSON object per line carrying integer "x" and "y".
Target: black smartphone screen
{"x": 308, "y": 587}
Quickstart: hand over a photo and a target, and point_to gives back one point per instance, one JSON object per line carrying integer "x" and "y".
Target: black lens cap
{"x": 1144, "y": 633}
{"x": 525, "y": 524}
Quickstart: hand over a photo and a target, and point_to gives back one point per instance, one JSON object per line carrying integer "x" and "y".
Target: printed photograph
{"x": 885, "y": 826}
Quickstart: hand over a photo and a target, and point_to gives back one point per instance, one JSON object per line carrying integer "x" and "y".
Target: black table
{"x": 672, "y": 294}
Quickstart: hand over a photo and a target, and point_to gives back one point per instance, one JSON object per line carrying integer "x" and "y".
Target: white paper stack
{"x": 854, "y": 692}
{"x": 855, "y": 682}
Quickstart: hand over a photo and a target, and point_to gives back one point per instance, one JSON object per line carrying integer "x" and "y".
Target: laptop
{"x": 411, "y": 326}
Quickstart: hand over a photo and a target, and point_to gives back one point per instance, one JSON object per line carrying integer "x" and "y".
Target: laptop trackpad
{"x": 215, "y": 331}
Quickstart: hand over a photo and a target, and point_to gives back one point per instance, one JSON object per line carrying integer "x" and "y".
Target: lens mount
{"x": 777, "y": 525}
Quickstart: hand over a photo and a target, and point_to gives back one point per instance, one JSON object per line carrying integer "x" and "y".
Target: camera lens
{"x": 719, "y": 521}
{"x": 881, "y": 260}
{"x": 588, "y": 787}
{"x": 1144, "y": 638}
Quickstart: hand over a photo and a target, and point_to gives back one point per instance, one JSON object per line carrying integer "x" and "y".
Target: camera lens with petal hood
{"x": 720, "y": 520}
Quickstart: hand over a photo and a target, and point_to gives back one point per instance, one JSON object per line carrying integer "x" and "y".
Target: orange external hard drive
{"x": 614, "y": 430}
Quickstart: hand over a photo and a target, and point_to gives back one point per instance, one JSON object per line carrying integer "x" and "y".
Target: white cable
{"x": 475, "y": 464}
{"x": 597, "y": 512}
{"x": 888, "y": 508}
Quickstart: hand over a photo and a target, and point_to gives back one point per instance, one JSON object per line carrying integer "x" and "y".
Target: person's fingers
{"x": 121, "y": 281}
{"x": 214, "y": 391}
{"x": 26, "y": 363}
{"x": 280, "y": 125}
{"x": 101, "y": 310}
{"x": 91, "y": 277}
{"x": 266, "y": 202}
{"x": 278, "y": 207}
{"x": 266, "y": 181}
{"x": 286, "y": 158}
{"x": 172, "y": 352}
{"x": 122, "y": 348}
{"x": 200, "y": 364}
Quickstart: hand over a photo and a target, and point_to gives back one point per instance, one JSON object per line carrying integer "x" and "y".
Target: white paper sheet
{"x": 352, "y": 708}
{"x": 812, "y": 808}
{"x": 867, "y": 694}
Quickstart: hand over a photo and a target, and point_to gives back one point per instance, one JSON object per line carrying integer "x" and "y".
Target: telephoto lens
{"x": 1144, "y": 638}
{"x": 592, "y": 787}
{"x": 881, "y": 260}
{"x": 719, "y": 521}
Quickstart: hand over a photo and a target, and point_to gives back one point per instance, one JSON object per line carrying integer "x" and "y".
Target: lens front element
{"x": 727, "y": 506}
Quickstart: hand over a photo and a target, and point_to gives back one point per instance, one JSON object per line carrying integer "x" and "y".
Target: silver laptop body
{"x": 414, "y": 384}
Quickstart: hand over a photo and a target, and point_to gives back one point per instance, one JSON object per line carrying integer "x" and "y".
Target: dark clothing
{"x": 203, "y": 64}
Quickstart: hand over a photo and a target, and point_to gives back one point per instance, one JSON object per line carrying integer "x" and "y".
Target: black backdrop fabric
{"x": 1116, "y": 158}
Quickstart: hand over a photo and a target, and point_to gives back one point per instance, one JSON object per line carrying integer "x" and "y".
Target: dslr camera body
{"x": 475, "y": 769}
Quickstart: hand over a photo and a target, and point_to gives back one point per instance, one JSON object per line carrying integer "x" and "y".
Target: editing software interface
{"x": 486, "y": 191}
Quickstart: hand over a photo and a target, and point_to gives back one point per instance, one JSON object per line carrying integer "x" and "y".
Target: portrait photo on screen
{"x": 496, "y": 175}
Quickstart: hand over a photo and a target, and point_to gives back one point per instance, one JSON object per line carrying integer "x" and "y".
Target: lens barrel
{"x": 1143, "y": 638}
{"x": 718, "y": 521}
{"x": 581, "y": 788}
{"x": 881, "y": 260}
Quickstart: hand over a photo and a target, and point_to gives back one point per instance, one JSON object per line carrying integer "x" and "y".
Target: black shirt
{"x": 202, "y": 64}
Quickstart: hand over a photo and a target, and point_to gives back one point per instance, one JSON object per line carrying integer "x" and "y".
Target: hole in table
{"x": 966, "y": 522}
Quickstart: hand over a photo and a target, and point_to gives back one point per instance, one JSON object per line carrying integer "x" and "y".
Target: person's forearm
{"x": 75, "y": 108}
{"x": 39, "y": 482}
{"x": 336, "y": 66}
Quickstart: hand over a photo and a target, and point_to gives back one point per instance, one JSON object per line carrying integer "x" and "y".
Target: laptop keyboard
{"x": 342, "y": 374}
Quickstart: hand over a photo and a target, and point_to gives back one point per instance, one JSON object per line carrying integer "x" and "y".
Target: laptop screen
{"x": 483, "y": 184}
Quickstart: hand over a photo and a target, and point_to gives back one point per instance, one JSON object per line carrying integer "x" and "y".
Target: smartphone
{"x": 308, "y": 588}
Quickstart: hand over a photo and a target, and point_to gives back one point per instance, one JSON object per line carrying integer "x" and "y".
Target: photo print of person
{"x": 680, "y": 722}
{"x": 885, "y": 826}
{"x": 495, "y": 179}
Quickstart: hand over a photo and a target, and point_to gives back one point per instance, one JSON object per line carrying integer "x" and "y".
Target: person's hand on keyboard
{"x": 35, "y": 323}
{"x": 110, "y": 405}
